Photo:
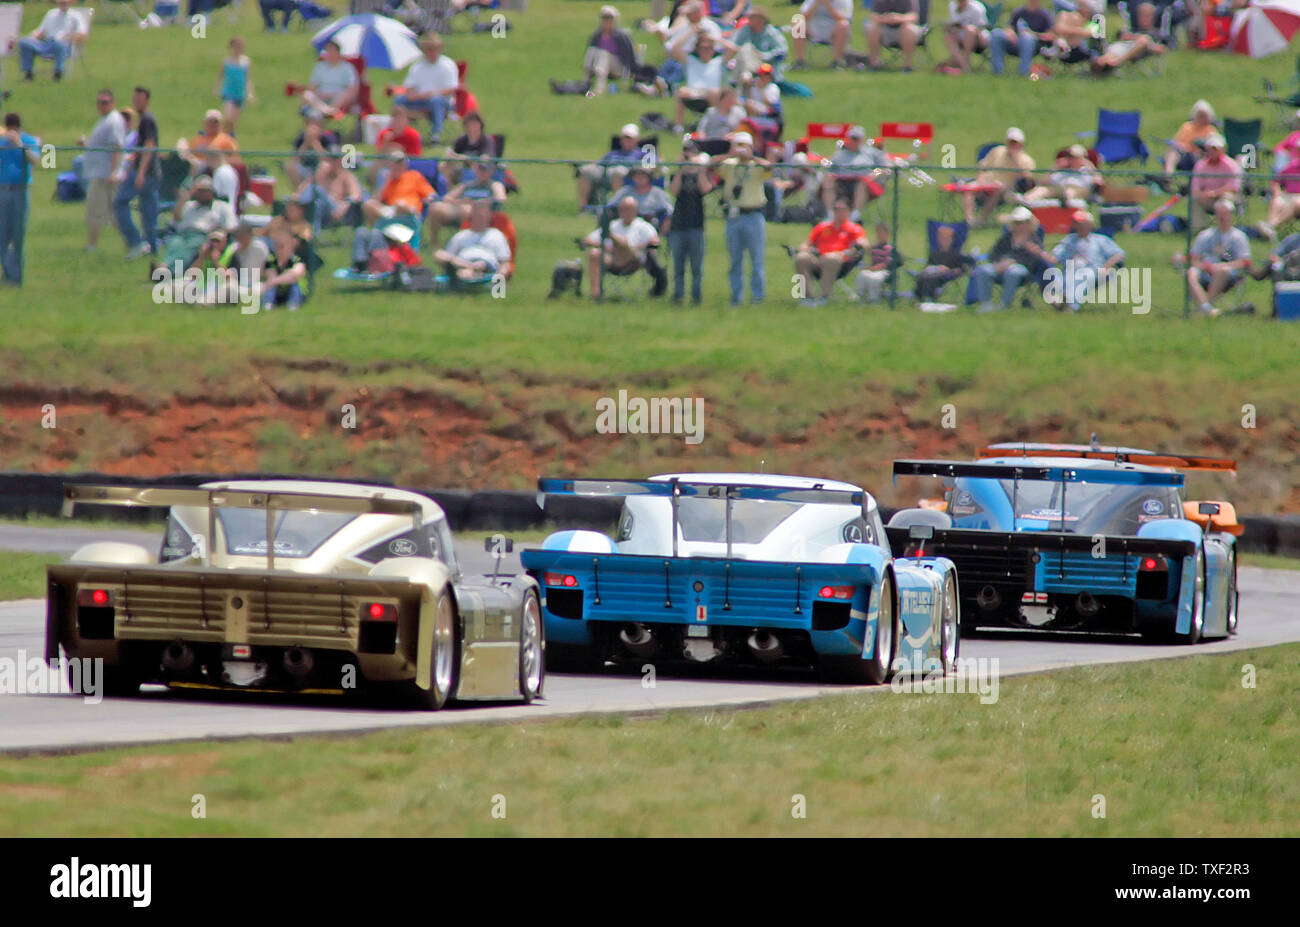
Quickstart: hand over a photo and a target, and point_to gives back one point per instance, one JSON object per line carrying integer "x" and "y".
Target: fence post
{"x": 1187, "y": 250}
{"x": 893, "y": 247}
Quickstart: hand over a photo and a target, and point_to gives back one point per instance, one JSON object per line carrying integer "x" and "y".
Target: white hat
{"x": 856, "y": 132}
{"x": 1022, "y": 214}
{"x": 1215, "y": 141}
{"x": 630, "y": 131}
{"x": 742, "y": 138}
{"x": 1015, "y": 135}
{"x": 398, "y": 232}
{"x": 212, "y": 114}
{"x": 1078, "y": 151}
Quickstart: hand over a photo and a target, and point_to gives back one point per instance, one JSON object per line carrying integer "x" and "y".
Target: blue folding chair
{"x": 959, "y": 233}
{"x": 1117, "y": 136}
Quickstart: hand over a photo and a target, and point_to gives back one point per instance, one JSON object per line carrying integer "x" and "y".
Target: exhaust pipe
{"x": 178, "y": 657}
{"x": 638, "y": 639}
{"x": 765, "y": 646}
{"x": 298, "y": 662}
{"x": 988, "y": 599}
{"x": 1086, "y": 605}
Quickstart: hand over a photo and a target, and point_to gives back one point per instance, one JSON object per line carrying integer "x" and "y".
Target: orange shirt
{"x": 408, "y": 189}
{"x": 1190, "y": 132}
{"x": 827, "y": 237}
{"x": 219, "y": 142}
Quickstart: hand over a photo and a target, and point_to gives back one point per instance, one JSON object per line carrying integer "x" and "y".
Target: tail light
{"x": 835, "y": 592}
{"x": 1152, "y": 564}
{"x": 378, "y": 611}
{"x": 94, "y": 598}
{"x": 560, "y": 579}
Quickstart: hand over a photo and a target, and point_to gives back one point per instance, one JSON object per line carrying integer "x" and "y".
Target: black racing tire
{"x": 572, "y": 658}
{"x": 1193, "y": 635}
{"x": 876, "y": 670}
{"x": 445, "y": 657}
{"x": 950, "y": 626}
{"x": 1234, "y": 594}
{"x": 532, "y": 648}
{"x": 121, "y": 682}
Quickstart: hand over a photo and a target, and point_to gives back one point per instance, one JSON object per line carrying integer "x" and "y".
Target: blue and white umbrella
{"x": 381, "y": 41}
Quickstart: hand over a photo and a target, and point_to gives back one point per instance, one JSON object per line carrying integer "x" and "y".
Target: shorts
{"x": 1234, "y": 277}
{"x": 820, "y": 29}
{"x": 237, "y": 103}
{"x": 891, "y": 36}
{"x": 846, "y": 187}
{"x": 99, "y": 202}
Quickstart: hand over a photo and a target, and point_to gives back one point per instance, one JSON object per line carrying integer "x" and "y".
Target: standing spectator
{"x": 141, "y": 181}
{"x": 431, "y": 84}
{"x": 689, "y": 185}
{"x": 944, "y": 264}
{"x": 704, "y": 77}
{"x": 53, "y": 38}
{"x": 892, "y": 23}
{"x": 235, "y": 85}
{"x": 1183, "y": 152}
{"x": 1029, "y": 31}
{"x": 610, "y": 53}
{"x": 626, "y": 248}
{"x": 1004, "y": 170}
{"x": 1216, "y": 176}
{"x": 966, "y": 32}
{"x": 613, "y": 166}
{"x": 1016, "y": 258}
{"x": 334, "y": 83}
{"x": 822, "y": 22}
{"x": 1220, "y": 256}
{"x": 830, "y": 246}
{"x": 101, "y": 166}
{"x": 1088, "y": 257}
{"x": 478, "y": 251}
{"x": 405, "y": 193}
{"x": 881, "y": 263}
{"x": 758, "y": 42}
{"x": 269, "y": 7}
{"x": 19, "y": 153}
{"x": 743, "y": 177}
{"x": 854, "y": 167}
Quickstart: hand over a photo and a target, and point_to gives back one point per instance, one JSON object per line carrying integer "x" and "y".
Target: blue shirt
{"x": 14, "y": 168}
{"x": 1092, "y": 251}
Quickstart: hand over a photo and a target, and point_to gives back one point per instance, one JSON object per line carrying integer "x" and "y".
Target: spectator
{"x": 723, "y": 118}
{"x": 1143, "y": 41}
{"x": 454, "y": 208}
{"x": 689, "y": 185}
{"x": 1216, "y": 176}
{"x": 383, "y": 249}
{"x": 610, "y": 52}
{"x": 19, "y": 153}
{"x": 1016, "y": 258}
{"x": 1285, "y": 202}
{"x": 292, "y": 220}
{"x": 196, "y": 214}
{"x": 881, "y": 262}
{"x": 101, "y": 166}
{"x": 652, "y": 203}
{"x": 892, "y": 23}
{"x": 431, "y": 84}
{"x": 1288, "y": 149}
{"x": 743, "y": 179}
{"x": 1074, "y": 34}
{"x": 1283, "y": 263}
{"x": 309, "y": 145}
{"x": 853, "y": 169}
{"x": 141, "y": 182}
{"x": 477, "y": 252}
{"x": 965, "y": 33}
{"x": 53, "y": 38}
{"x": 1183, "y": 151}
{"x": 270, "y": 7}
{"x": 473, "y": 142}
{"x": 944, "y": 264}
{"x": 248, "y": 251}
{"x": 399, "y": 133}
{"x": 612, "y": 168}
{"x": 405, "y": 194}
{"x": 702, "y": 84}
{"x": 1073, "y": 182}
{"x": 235, "y": 86}
{"x": 830, "y": 246}
{"x": 286, "y": 273}
{"x": 690, "y": 23}
{"x": 1220, "y": 256}
{"x": 758, "y": 42}
{"x": 824, "y": 22}
{"x": 225, "y": 179}
{"x": 334, "y": 83}
{"x": 1006, "y": 169}
{"x": 798, "y": 190}
{"x": 210, "y": 138}
{"x": 1088, "y": 258}
{"x": 626, "y": 249}
{"x": 726, "y": 12}
{"x": 1028, "y": 33}
{"x": 336, "y": 192}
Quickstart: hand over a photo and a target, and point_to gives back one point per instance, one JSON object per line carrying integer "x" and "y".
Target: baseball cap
{"x": 760, "y": 11}
{"x": 1015, "y": 135}
{"x": 1081, "y": 215}
{"x": 1078, "y": 151}
{"x": 608, "y": 12}
{"x": 764, "y": 68}
{"x": 630, "y": 131}
{"x": 856, "y": 132}
{"x": 397, "y": 154}
{"x": 212, "y": 114}
{"x": 1021, "y": 214}
{"x": 1215, "y": 141}
{"x": 742, "y": 138}
{"x": 203, "y": 182}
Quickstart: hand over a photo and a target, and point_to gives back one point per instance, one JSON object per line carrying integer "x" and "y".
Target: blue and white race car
{"x": 743, "y": 567}
{"x": 1083, "y": 538}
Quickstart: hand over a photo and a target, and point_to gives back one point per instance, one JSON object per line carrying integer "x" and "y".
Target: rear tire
{"x": 532, "y": 649}
{"x": 1233, "y": 595}
{"x": 1193, "y": 635}
{"x": 879, "y": 667}
{"x": 444, "y": 657}
{"x": 950, "y": 626}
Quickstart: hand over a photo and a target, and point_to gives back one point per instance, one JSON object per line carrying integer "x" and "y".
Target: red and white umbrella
{"x": 1264, "y": 28}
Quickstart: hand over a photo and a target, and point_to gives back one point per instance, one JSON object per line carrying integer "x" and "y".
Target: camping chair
{"x": 919, "y": 134}
{"x": 959, "y": 186}
{"x": 625, "y": 283}
{"x": 960, "y": 231}
{"x": 1243, "y": 138}
{"x": 1217, "y": 33}
{"x": 1116, "y": 137}
{"x": 502, "y": 222}
{"x": 133, "y": 5}
{"x": 175, "y": 171}
{"x": 365, "y": 279}
{"x": 894, "y": 49}
{"x": 1283, "y": 101}
{"x": 602, "y": 190}
{"x": 843, "y": 283}
{"x": 85, "y": 16}
{"x": 992, "y": 13}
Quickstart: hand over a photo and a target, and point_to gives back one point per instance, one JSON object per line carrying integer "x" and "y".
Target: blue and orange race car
{"x": 1082, "y": 538}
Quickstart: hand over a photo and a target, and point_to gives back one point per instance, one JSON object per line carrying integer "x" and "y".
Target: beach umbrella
{"x": 1264, "y": 28}
{"x": 380, "y": 41}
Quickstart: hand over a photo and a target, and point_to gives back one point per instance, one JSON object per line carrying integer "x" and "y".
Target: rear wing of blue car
{"x": 1015, "y": 472}
{"x": 1039, "y": 542}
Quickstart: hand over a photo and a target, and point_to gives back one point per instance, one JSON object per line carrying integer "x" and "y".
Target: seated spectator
{"x": 798, "y": 190}
{"x": 284, "y": 280}
{"x": 1028, "y": 33}
{"x": 626, "y": 249}
{"x": 1016, "y": 258}
{"x": 944, "y": 264}
{"x": 1288, "y": 150}
{"x": 758, "y": 42}
{"x": 401, "y": 133}
{"x": 702, "y": 84}
{"x": 336, "y": 192}
{"x": 894, "y": 24}
{"x": 831, "y": 245}
{"x": 225, "y": 179}
{"x": 1007, "y": 168}
{"x": 210, "y": 138}
{"x": 1216, "y": 176}
{"x": 197, "y": 213}
{"x": 431, "y": 84}
{"x": 689, "y": 185}
{"x": 309, "y": 145}
{"x": 454, "y": 208}
{"x": 652, "y": 203}
{"x": 1074, "y": 33}
{"x": 473, "y": 142}
{"x": 1183, "y": 152}
{"x": 1073, "y": 182}
{"x": 1283, "y": 263}
{"x": 965, "y": 33}
{"x": 405, "y": 193}
{"x": 881, "y": 261}
{"x": 293, "y": 221}
{"x": 248, "y": 251}
{"x": 1285, "y": 203}
{"x": 478, "y": 252}
{"x": 826, "y": 22}
{"x": 53, "y": 39}
{"x": 687, "y": 26}
{"x": 1219, "y": 257}
{"x": 383, "y": 249}
{"x": 723, "y": 118}
{"x": 1143, "y": 41}
{"x": 284, "y": 7}
{"x": 853, "y": 170}
{"x": 613, "y": 166}
{"x": 333, "y": 85}
{"x": 761, "y": 97}
{"x": 610, "y": 53}
{"x": 1089, "y": 257}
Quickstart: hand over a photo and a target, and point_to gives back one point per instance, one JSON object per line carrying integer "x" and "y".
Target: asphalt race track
{"x": 1269, "y": 615}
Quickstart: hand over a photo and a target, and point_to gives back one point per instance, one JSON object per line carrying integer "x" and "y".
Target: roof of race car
{"x": 778, "y": 480}
{"x": 430, "y": 509}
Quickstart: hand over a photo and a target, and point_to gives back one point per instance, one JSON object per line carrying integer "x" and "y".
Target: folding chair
{"x": 1283, "y": 100}
{"x": 366, "y": 279}
{"x": 920, "y": 135}
{"x": 602, "y": 190}
{"x": 1217, "y": 32}
{"x": 502, "y": 222}
{"x": 894, "y": 49}
{"x": 959, "y": 186}
{"x": 133, "y": 5}
{"x": 960, "y": 231}
{"x": 1033, "y": 283}
{"x": 1243, "y": 138}
{"x": 1117, "y": 138}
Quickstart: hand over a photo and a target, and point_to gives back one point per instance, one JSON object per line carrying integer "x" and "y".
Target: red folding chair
{"x": 919, "y": 134}
{"x": 1217, "y": 29}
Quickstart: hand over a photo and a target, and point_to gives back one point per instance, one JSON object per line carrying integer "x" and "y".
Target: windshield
{"x": 751, "y": 520}
{"x": 1092, "y": 507}
{"x": 297, "y": 534}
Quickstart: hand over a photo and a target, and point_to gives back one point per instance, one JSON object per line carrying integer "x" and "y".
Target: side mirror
{"x": 498, "y": 544}
{"x": 920, "y": 532}
{"x": 1208, "y": 508}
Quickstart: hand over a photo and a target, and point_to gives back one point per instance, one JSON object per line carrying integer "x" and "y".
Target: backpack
{"x": 567, "y": 274}
{"x": 68, "y": 188}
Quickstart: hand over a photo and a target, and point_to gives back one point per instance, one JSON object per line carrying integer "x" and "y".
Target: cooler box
{"x": 1286, "y": 300}
{"x": 263, "y": 187}
{"x": 167, "y": 9}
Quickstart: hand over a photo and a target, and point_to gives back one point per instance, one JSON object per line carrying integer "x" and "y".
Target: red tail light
{"x": 96, "y": 598}
{"x": 560, "y": 579}
{"x": 1154, "y": 563}
{"x": 835, "y": 592}
{"x": 379, "y": 611}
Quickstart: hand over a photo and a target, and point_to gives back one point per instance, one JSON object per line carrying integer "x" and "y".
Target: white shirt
{"x": 639, "y": 234}
{"x": 488, "y": 245}
{"x": 225, "y": 181}
{"x": 843, "y": 7}
{"x": 973, "y": 15}
{"x": 427, "y": 76}
{"x": 216, "y": 215}
{"x": 704, "y": 75}
{"x": 59, "y": 25}
{"x": 708, "y": 25}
